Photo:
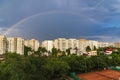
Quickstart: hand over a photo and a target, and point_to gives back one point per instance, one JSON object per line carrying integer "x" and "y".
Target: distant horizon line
{"x": 59, "y": 38}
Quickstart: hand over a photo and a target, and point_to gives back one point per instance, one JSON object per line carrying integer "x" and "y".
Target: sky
{"x": 51, "y": 19}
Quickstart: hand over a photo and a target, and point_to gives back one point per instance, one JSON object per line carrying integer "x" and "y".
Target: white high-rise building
{"x": 16, "y": 45}
{"x": 117, "y": 44}
{"x": 55, "y": 43}
{"x": 105, "y": 44}
{"x": 20, "y": 45}
{"x": 93, "y": 44}
{"x": 33, "y": 43}
{"x": 61, "y": 43}
{"x": 48, "y": 44}
{"x": 83, "y": 43}
{"x": 3, "y": 44}
{"x": 72, "y": 43}
{"x": 11, "y": 45}
{"x": 80, "y": 45}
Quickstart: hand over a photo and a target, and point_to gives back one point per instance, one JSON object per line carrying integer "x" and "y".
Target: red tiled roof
{"x": 109, "y": 49}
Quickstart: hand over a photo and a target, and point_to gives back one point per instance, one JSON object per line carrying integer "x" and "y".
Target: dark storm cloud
{"x": 98, "y": 19}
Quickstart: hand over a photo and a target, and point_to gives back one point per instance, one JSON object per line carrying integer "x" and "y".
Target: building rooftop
{"x": 101, "y": 75}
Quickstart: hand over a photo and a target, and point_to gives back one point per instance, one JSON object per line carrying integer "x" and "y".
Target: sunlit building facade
{"x": 33, "y": 43}
{"x": 3, "y": 44}
{"x": 20, "y": 45}
{"x": 61, "y": 43}
{"x": 16, "y": 45}
{"x": 72, "y": 43}
{"x": 76, "y": 45}
{"x": 105, "y": 44}
{"x": 83, "y": 43}
{"x": 93, "y": 44}
{"x": 48, "y": 44}
{"x": 117, "y": 45}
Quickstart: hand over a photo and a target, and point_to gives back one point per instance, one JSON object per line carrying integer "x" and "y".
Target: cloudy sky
{"x": 50, "y": 19}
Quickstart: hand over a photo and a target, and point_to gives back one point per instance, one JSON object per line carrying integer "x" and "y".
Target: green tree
{"x": 54, "y": 51}
{"x": 99, "y": 62}
{"x": 38, "y": 72}
{"x": 27, "y": 50}
{"x": 94, "y": 48}
{"x": 88, "y": 48}
{"x": 68, "y": 51}
{"x": 15, "y": 67}
{"x": 115, "y": 59}
{"x": 40, "y": 51}
{"x": 55, "y": 69}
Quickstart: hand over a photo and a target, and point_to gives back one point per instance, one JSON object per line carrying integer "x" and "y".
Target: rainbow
{"x": 47, "y": 13}
{"x": 35, "y": 15}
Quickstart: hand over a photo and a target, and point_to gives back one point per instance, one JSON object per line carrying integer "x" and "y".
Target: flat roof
{"x": 101, "y": 75}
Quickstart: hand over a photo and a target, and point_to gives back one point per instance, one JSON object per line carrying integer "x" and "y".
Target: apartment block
{"x": 33, "y": 43}
{"x": 61, "y": 43}
{"x": 3, "y": 44}
{"x": 16, "y": 45}
{"x": 117, "y": 45}
{"x": 48, "y": 44}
